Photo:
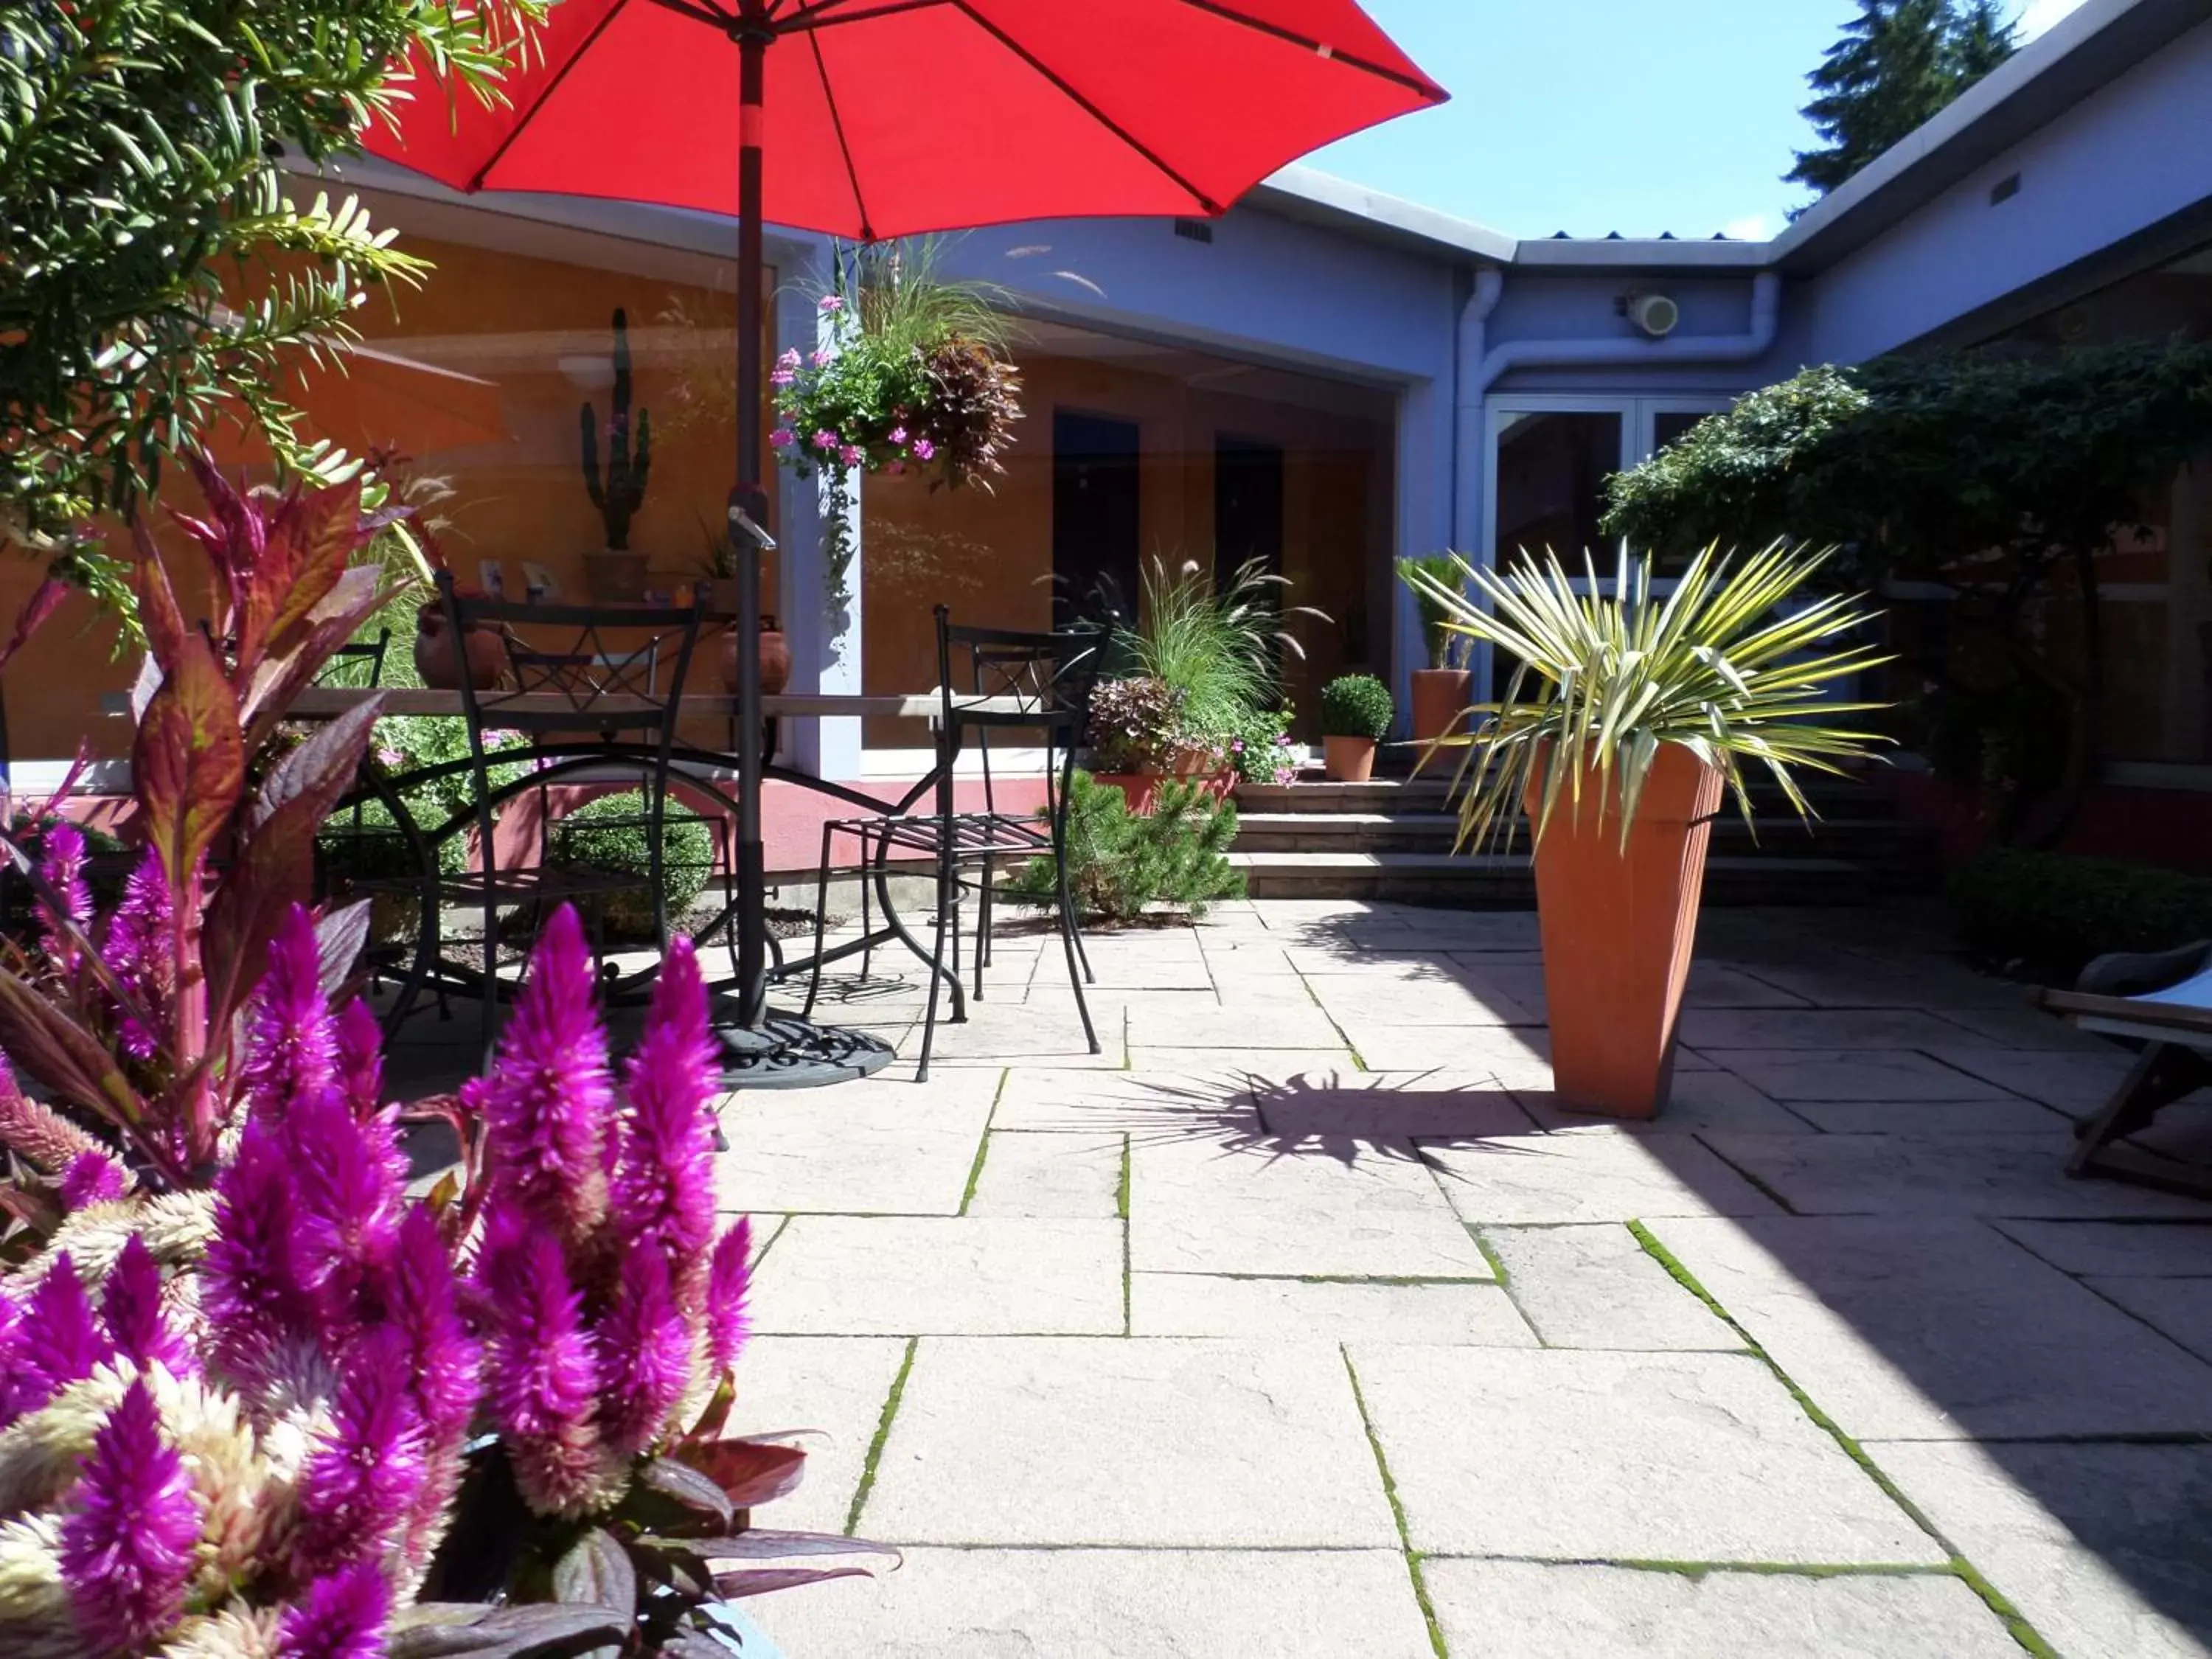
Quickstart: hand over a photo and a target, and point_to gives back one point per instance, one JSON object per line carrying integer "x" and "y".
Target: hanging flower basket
{"x": 911, "y": 378}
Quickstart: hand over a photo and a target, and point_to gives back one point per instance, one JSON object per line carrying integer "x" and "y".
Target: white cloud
{"x": 1752, "y": 227}
{"x": 2038, "y": 16}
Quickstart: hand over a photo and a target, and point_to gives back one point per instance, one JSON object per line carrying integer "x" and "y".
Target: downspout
{"x": 1467, "y": 387}
{"x": 1765, "y": 319}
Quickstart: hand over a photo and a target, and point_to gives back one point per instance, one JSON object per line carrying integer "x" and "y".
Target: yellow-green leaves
{"x": 1740, "y": 663}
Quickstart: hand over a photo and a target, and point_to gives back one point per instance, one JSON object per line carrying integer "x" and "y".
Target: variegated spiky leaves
{"x": 1740, "y": 664}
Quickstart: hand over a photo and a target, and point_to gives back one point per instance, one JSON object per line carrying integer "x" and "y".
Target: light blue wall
{"x": 2122, "y": 159}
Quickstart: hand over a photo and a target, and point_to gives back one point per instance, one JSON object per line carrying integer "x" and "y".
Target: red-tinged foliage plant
{"x": 130, "y": 1021}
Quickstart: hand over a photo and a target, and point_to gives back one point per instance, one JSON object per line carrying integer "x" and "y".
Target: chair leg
{"x": 821, "y": 923}
{"x": 1079, "y": 968}
{"x": 491, "y": 983}
{"x": 936, "y": 971}
{"x": 867, "y": 913}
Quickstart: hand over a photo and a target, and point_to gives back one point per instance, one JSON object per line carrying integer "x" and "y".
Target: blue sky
{"x": 1589, "y": 116}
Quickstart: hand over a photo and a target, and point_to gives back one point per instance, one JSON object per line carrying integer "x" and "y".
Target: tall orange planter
{"x": 1619, "y": 928}
{"x": 1440, "y": 697}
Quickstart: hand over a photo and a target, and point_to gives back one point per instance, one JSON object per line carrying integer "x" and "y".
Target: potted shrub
{"x": 1442, "y": 691}
{"x": 615, "y": 575}
{"x": 1139, "y": 734}
{"x": 613, "y": 833}
{"x": 1355, "y": 715}
{"x": 1626, "y": 717}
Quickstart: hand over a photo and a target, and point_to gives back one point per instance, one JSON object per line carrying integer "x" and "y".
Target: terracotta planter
{"x": 1440, "y": 698}
{"x": 1618, "y": 928}
{"x": 1140, "y": 790}
{"x": 1347, "y": 760}
{"x": 775, "y": 659}
{"x": 485, "y": 652}
{"x": 615, "y": 576}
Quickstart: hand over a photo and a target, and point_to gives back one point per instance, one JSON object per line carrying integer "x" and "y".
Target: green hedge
{"x": 2043, "y": 915}
{"x": 609, "y": 832}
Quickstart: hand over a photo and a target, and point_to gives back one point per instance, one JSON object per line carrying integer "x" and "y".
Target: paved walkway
{"x": 1302, "y": 1322}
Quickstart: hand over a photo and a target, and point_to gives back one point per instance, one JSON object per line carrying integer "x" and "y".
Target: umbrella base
{"x": 788, "y": 1052}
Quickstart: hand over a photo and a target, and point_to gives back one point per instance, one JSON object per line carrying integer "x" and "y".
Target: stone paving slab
{"x": 1929, "y": 1117}
{"x": 1594, "y": 1456}
{"x": 1390, "y": 1105}
{"x": 1295, "y": 1022}
{"x": 1519, "y": 1056}
{"x": 1349, "y": 1211}
{"x": 1163, "y": 1442}
{"x": 2072, "y": 1082}
{"x": 1938, "y": 1329}
{"x": 1356, "y": 998}
{"x": 1246, "y": 1069}
{"x": 901, "y": 1276}
{"x": 2023, "y": 1028}
{"x": 1815, "y": 1028}
{"x": 2182, "y": 1308}
{"x": 862, "y": 1148}
{"x": 833, "y": 1385}
{"x": 1194, "y": 1099}
{"x": 1336, "y": 1310}
{"x": 2101, "y": 1547}
{"x": 1027, "y": 1174}
{"x": 1703, "y": 1098}
{"x": 1538, "y": 1610}
{"x": 1590, "y": 1175}
{"x": 1597, "y": 1287}
{"x": 1884, "y": 1075}
{"x": 1903, "y": 1175}
{"x": 2151, "y": 1249}
{"x": 1111, "y": 1604}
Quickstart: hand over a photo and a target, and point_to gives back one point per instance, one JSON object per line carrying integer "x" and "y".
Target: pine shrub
{"x": 1118, "y": 861}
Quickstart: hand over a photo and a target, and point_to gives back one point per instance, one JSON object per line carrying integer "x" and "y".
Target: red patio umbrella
{"x": 871, "y": 118}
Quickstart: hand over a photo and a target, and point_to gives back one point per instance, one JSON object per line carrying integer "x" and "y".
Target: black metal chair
{"x": 1015, "y": 680}
{"x": 617, "y": 679}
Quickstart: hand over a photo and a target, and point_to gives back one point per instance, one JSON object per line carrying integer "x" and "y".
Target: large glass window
{"x": 1551, "y": 465}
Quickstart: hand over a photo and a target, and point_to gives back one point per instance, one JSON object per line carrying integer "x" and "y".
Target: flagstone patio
{"x": 1302, "y": 1321}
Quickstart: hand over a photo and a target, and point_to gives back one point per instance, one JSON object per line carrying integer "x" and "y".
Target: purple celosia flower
{"x": 253, "y": 1290}
{"x": 347, "y": 1198}
{"x": 338, "y": 1617}
{"x": 61, "y": 866}
{"x": 663, "y": 1188}
{"x": 541, "y": 1367}
{"x": 358, "y": 1057}
{"x": 127, "y": 1551}
{"x": 136, "y": 948}
{"x": 358, "y": 1489}
{"x": 17, "y": 1386}
{"x": 291, "y": 1045}
{"x": 130, "y": 1308}
{"x": 94, "y": 1177}
{"x": 443, "y": 1364}
{"x": 647, "y": 1344}
{"x": 548, "y": 1103}
{"x": 728, "y": 1323}
{"x": 62, "y": 1341}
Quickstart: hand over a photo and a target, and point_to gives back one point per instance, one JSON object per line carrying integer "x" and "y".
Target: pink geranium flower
{"x": 831, "y": 304}
{"x": 783, "y": 437}
{"x": 924, "y": 450}
{"x": 825, "y": 439}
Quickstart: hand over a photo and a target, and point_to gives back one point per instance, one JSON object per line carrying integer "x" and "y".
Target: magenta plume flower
{"x": 338, "y": 1617}
{"x": 358, "y": 1490}
{"x": 347, "y": 1197}
{"x": 291, "y": 1045}
{"x": 127, "y": 1551}
{"x": 543, "y": 1375}
{"x": 18, "y": 1389}
{"x": 550, "y": 1096}
{"x": 135, "y": 950}
{"x": 61, "y": 867}
{"x": 664, "y": 1187}
{"x": 728, "y": 1283}
{"x": 62, "y": 1341}
{"x": 359, "y": 1058}
{"x": 444, "y": 1362}
{"x": 94, "y": 1177}
{"x": 647, "y": 1342}
{"x": 131, "y": 1307}
{"x": 253, "y": 1288}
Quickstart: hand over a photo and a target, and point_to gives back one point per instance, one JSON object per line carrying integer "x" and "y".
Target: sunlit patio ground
{"x": 1302, "y": 1322}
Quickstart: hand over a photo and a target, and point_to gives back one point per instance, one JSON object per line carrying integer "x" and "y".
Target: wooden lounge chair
{"x": 2164, "y": 1002}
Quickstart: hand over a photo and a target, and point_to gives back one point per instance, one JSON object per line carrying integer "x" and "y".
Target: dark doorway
{"x": 1247, "y": 505}
{"x": 1094, "y": 515}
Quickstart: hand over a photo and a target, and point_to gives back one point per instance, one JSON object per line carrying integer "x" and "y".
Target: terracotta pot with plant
{"x": 1442, "y": 691}
{"x": 614, "y": 574}
{"x": 1626, "y": 717}
{"x": 1355, "y": 716}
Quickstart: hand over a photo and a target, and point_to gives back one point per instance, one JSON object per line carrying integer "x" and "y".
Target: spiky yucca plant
{"x": 1718, "y": 666}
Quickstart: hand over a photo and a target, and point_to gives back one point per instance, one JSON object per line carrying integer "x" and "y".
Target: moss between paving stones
{"x": 2014, "y": 1621}
{"x": 1397, "y": 1511}
{"x": 876, "y": 1446}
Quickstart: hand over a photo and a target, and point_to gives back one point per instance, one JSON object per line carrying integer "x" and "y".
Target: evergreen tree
{"x": 1897, "y": 63}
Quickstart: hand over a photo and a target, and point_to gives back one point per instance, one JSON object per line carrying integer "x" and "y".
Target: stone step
{"x": 1505, "y": 881}
{"x": 1417, "y": 831}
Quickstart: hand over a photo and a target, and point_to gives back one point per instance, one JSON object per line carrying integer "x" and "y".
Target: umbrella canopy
{"x": 885, "y": 117}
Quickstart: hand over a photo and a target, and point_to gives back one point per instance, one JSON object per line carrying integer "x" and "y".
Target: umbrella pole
{"x": 751, "y": 881}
